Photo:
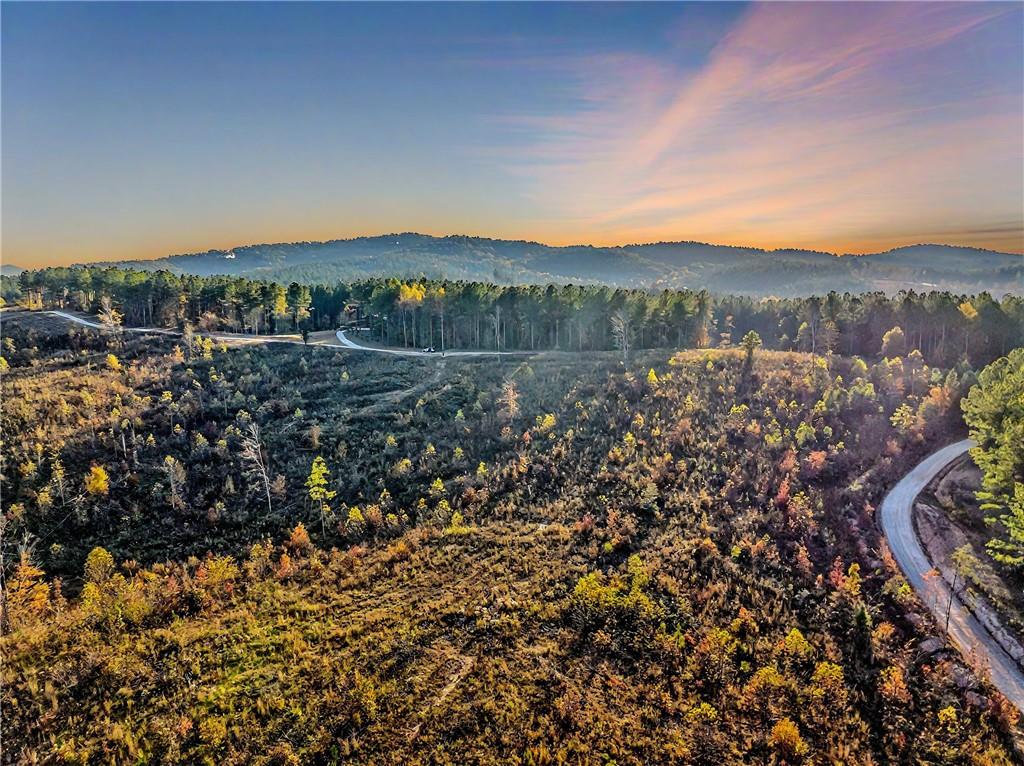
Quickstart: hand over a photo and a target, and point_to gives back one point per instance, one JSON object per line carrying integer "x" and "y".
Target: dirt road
{"x": 316, "y": 339}
{"x": 349, "y": 343}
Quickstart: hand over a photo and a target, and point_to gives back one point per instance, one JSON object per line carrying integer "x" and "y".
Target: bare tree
{"x": 176, "y": 481}
{"x": 58, "y": 478}
{"x": 622, "y": 331}
{"x": 188, "y": 339}
{"x": 256, "y": 464}
{"x": 509, "y": 400}
{"x": 495, "y": 318}
{"x": 110, "y": 317}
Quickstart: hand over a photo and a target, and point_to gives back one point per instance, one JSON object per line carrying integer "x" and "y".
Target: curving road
{"x": 224, "y": 336}
{"x": 324, "y": 338}
{"x": 966, "y": 633}
{"x": 349, "y": 343}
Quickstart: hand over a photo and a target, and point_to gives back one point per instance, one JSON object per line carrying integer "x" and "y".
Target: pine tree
{"x": 318, "y": 491}
{"x": 298, "y": 300}
{"x": 994, "y": 411}
{"x": 750, "y": 343}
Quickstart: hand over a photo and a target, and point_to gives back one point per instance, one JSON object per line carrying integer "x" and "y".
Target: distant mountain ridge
{"x": 719, "y": 268}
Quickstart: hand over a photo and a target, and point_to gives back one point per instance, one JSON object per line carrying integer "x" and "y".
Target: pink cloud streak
{"x": 825, "y": 125}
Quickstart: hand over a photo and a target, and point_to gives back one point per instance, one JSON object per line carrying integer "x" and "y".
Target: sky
{"x": 143, "y": 130}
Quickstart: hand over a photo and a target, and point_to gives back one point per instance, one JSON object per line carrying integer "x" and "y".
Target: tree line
{"x": 942, "y": 326}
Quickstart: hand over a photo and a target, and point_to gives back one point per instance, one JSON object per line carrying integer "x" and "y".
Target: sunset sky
{"x": 134, "y": 131}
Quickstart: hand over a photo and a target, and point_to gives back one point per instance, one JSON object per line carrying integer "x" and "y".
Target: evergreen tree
{"x": 316, "y": 484}
{"x": 994, "y": 411}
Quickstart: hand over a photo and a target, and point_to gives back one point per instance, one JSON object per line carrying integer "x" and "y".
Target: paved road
{"x": 969, "y": 635}
{"x": 349, "y": 343}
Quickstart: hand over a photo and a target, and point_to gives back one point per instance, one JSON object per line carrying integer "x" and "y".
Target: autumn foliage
{"x": 667, "y": 561}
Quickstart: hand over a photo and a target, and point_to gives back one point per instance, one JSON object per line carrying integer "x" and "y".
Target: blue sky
{"x": 138, "y": 130}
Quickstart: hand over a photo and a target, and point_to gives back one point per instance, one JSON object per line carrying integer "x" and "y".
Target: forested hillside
{"x": 995, "y": 413}
{"x": 309, "y": 555}
{"x": 694, "y": 265}
{"x": 942, "y": 327}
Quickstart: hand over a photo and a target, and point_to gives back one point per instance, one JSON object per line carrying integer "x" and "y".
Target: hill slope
{"x": 718, "y": 268}
{"x": 665, "y": 568}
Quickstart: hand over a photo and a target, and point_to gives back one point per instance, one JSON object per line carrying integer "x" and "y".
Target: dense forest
{"x": 284, "y": 555}
{"x": 942, "y": 327}
{"x": 994, "y": 411}
{"x": 674, "y": 265}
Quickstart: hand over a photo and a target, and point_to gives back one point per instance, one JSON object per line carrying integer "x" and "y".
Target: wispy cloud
{"x": 826, "y": 125}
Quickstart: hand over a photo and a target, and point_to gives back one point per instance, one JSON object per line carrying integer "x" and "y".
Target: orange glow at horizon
{"x": 837, "y": 127}
{"x": 1008, "y": 243}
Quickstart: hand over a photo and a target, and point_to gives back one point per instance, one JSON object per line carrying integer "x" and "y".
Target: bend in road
{"x": 342, "y": 340}
{"x": 223, "y": 336}
{"x": 76, "y": 319}
{"x": 965, "y": 631}
{"x": 349, "y": 343}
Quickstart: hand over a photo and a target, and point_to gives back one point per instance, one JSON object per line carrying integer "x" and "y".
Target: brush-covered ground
{"x": 959, "y": 531}
{"x": 562, "y": 560}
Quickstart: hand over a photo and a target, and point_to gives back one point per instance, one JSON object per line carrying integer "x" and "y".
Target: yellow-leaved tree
{"x": 410, "y": 297}
{"x": 316, "y": 485}
{"x": 97, "y": 482}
